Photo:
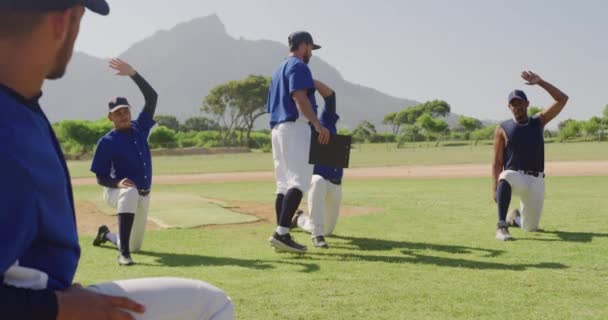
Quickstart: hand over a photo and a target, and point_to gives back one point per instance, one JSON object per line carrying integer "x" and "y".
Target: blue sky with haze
{"x": 467, "y": 52}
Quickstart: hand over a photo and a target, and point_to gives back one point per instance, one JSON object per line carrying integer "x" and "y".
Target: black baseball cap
{"x": 98, "y": 6}
{"x": 118, "y": 103}
{"x": 517, "y": 94}
{"x": 299, "y": 37}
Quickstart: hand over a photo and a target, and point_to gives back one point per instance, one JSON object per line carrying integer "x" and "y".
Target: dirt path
{"x": 573, "y": 168}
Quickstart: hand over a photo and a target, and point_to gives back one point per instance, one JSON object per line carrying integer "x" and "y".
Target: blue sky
{"x": 467, "y": 52}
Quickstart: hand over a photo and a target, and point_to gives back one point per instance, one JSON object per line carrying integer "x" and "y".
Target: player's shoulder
{"x": 294, "y": 64}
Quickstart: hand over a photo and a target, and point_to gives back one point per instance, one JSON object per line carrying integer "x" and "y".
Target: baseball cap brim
{"x": 316, "y": 47}
{"x": 122, "y": 106}
{"x": 98, "y": 6}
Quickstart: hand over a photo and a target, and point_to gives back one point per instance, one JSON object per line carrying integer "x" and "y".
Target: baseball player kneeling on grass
{"x": 38, "y": 236}
{"x": 325, "y": 193}
{"x": 519, "y": 159}
{"x": 123, "y": 166}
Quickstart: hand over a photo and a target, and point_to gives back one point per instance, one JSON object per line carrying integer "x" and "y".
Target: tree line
{"x": 232, "y": 109}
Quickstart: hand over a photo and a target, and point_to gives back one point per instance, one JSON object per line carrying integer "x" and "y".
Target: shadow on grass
{"x": 191, "y": 260}
{"x": 368, "y": 244}
{"x": 409, "y": 255}
{"x": 571, "y": 236}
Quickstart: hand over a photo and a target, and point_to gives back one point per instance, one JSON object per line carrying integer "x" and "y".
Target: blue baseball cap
{"x": 299, "y": 37}
{"x": 118, "y": 103}
{"x": 98, "y": 6}
{"x": 517, "y": 94}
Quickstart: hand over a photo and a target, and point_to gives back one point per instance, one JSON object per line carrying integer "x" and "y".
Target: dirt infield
{"x": 89, "y": 217}
{"x": 562, "y": 169}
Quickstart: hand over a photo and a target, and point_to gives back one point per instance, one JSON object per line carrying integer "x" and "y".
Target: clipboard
{"x": 334, "y": 154}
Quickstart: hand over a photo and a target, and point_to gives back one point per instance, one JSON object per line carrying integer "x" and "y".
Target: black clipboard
{"x": 334, "y": 154}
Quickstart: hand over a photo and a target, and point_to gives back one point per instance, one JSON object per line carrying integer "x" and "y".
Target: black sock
{"x": 278, "y": 206}
{"x": 503, "y": 197}
{"x": 291, "y": 202}
{"x": 125, "y": 224}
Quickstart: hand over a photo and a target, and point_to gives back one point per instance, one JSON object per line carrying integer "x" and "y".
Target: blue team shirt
{"x": 328, "y": 119}
{"x": 525, "y": 149}
{"x": 292, "y": 75}
{"x": 126, "y": 154}
{"x": 37, "y": 221}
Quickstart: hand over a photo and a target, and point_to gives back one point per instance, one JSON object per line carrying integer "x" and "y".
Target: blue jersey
{"x": 292, "y": 75}
{"x": 126, "y": 154}
{"x": 328, "y": 119}
{"x": 525, "y": 149}
{"x": 38, "y": 238}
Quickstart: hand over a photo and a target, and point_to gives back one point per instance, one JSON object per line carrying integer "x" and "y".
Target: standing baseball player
{"x": 123, "y": 166}
{"x": 519, "y": 159}
{"x": 293, "y": 109}
{"x": 38, "y": 237}
{"x": 325, "y": 193}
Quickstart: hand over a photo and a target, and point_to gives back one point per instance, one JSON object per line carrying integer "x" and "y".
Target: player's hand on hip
{"x": 126, "y": 183}
{"x": 531, "y": 78}
{"x": 77, "y": 303}
{"x": 122, "y": 68}
{"x": 324, "y": 134}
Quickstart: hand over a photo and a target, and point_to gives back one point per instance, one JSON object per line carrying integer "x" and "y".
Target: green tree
{"x": 469, "y": 125}
{"x": 485, "y": 133}
{"x": 606, "y": 112}
{"x": 199, "y": 124}
{"x": 409, "y": 116}
{"x": 163, "y": 137}
{"x": 570, "y": 130}
{"x": 432, "y": 126}
{"x": 364, "y": 132}
{"x": 81, "y": 134}
{"x": 170, "y": 122}
{"x": 236, "y": 105}
{"x": 390, "y": 120}
{"x": 592, "y": 127}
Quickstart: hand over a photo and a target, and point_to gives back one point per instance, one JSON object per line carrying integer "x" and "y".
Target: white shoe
{"x": 502, "y": 231}
{"x": 125, "y": 261}
{"x": 511, "y": 217}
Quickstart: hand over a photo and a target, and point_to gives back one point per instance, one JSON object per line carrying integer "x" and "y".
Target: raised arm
{"x": 323, "y": 89}
{"x": 499, "y": 150}
{"x": 560, "y": 98}
{"x": 150, "y": 95}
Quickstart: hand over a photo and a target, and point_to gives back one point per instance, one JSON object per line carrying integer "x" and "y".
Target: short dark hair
{"x": 18, "y": 23}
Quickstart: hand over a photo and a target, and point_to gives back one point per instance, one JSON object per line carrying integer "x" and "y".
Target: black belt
{"x": 143, "y": 193}
{"x": 533, "y": 173}
{"x": 335, "y": 181}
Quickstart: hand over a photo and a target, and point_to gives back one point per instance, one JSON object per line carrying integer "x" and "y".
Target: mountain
{"x": 184, "y": 63}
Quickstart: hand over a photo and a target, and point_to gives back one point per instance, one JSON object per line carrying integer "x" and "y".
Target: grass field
{"x": 367, "y": 155}
{"x": 430, "y": 254}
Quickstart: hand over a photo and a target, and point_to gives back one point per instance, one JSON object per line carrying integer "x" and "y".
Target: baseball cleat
{"x": 285, "y": 243}
{"x": 101, "y": 235}
{"x": 294, "y": 221}
{"x": 125, "y": 260}
{"x": 502, "y": 232}
{"x": 319, "y": 242}
{"x": 512, "y": 216}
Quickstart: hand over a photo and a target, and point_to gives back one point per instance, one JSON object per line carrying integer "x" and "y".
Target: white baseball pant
{"x": 290, "y": 152}
{"x": 129, "y": 201}
{"x": 531, "y": 191}
{"x": 172, "y": 298}
{"x": 324, "y": 201}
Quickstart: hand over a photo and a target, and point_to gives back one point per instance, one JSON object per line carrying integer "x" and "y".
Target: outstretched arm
{"x": 150, "y": 95}
{"x": 560, "y": 98}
